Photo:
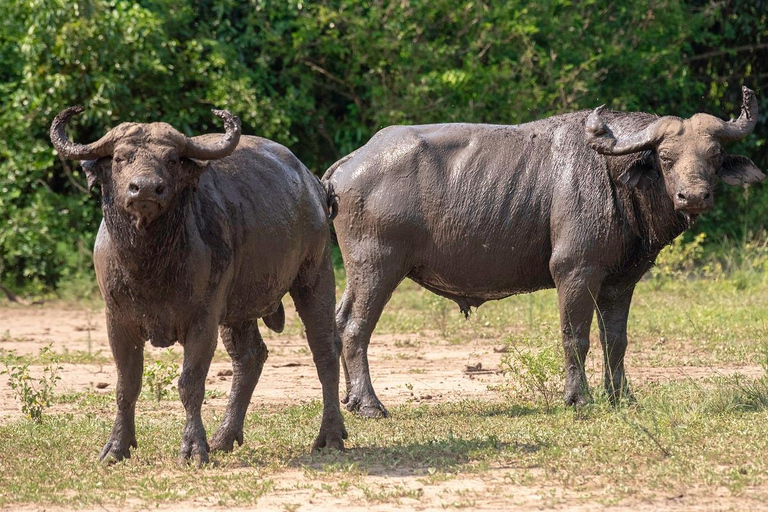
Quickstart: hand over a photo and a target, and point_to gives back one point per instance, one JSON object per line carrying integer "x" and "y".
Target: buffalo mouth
{"x": 694, "y": 211}
{"x": 144, "y": 211}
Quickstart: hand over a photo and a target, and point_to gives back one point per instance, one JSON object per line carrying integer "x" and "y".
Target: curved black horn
{"x": 71, "y": 150}
{"x": 601, "y": 139}
{"x": 743, "y": 126}
{"x": 224, "y": 147}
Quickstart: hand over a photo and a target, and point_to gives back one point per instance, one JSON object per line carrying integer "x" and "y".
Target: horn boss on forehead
{"x": 105, "y": 146}
{"x": 601, "y": 139}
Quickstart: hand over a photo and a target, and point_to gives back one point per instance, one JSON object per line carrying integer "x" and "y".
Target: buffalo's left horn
{"x": 743, "y": 126}
{"x": 72, "y": 150}
{"x": 224, "y": 147}
{"x": 601, "y": 139}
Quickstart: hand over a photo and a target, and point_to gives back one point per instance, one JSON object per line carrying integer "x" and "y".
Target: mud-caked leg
{"x": 199, "y": 346}
{"x": 373, "y": 273}
{"x": 128, "y": 352}
{"x": 613, "y": 311}
{"x": 577, "y": 292}
{"x": 248, "y": 352}
{"x": 314, "y": 297}
{"x": 342, "y": 314}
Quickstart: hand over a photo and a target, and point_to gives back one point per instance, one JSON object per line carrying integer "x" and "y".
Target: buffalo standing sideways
{"x": 582, "y": 202}
{"x": 201, "y": 235}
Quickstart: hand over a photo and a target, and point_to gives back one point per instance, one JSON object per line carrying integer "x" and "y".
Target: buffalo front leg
{"x": 370, "y": 282}
{"x": 314, "y": 298}
{"x": 128, "y": 352}
{"x": 613, "y": 311}
{"x": 248, "y": 352}
{"x": 199, "y": 346}
{"x": 577, "y": 293}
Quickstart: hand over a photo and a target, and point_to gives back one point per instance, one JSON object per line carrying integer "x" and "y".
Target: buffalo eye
{"x": 118, "y": 159}
{"x": 665, "y": 157}
{"x": 171, "y": 159}
{"x": 716, "y": 153}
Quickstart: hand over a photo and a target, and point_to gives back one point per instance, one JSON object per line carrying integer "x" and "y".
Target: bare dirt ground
{"x": 408, "y": 368}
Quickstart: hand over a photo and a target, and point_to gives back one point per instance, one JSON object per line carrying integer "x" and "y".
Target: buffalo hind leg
{"x": 577, "y": 292}
{"x": 314, "y": 296}
{"x": 248, "y": 352}
{"x": 347, "y": 382}
{"x": 128, "y": 352}
{"x": 613, "y": 311}
{"x": 199, "y": 346}
{"x": 369, "y": 288}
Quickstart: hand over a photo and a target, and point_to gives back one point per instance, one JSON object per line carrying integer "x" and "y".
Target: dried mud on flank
{"x": 407, "y": 368}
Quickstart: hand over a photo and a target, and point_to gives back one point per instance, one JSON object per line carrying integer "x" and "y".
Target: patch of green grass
{"x": 65, "y": 356}
{"x": 681, "y": 434}
{"x": 678, "y": 435}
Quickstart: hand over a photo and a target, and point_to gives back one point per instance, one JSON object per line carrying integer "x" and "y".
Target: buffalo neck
{"x": 662, "y": 223}
{"x": 648, "y": 212}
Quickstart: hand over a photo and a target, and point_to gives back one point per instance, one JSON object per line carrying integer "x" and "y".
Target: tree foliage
{"x": 322, "y": 77}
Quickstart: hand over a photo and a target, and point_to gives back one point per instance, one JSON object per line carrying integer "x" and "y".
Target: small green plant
{"x": 159, "y": 376}
{"x": 534, "y": 375}
{"x": 439, "y": 309}
{"x": 35, "y": 394}
{"x": 680, "y": 259}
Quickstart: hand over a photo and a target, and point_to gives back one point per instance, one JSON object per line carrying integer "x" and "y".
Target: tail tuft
{"x": 332, "y": 200}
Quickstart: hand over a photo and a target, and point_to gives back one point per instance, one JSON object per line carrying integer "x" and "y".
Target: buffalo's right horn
{"x": 743, "y": 126}
{"x": 224, "y": 147}
{"x": 601, "y": 139}
{"x": 71, "y": 150}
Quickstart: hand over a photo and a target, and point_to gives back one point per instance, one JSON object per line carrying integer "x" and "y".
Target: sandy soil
{"x": 407, "y": 368}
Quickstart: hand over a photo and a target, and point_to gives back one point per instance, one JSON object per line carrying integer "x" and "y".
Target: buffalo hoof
{"x": 194, "y": 452}
{"x": 370, "y": 408}
{"x": 224, "y": 439}
{"x": 116, "y": 450}
{"x": 330, "y": 438}
{"x": 373, "y": 412}
{"x": 577, "y": 399}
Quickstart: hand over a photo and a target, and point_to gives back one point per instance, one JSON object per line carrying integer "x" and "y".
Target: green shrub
{"x": 159, "y": 376}
{"x": 35, "y": 394}
{"x": 322, "y": 77}
{"x": 536, "y": 376}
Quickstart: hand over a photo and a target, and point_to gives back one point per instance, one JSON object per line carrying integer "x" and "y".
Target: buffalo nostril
{"x": 159, "y": 190}
{"x": 707, "y": 195}
{"x": 133, "y": 187}
{"x": 681, "y": 196}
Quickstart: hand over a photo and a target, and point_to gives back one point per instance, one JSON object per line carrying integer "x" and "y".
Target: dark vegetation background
{"x": 323, "y": 76}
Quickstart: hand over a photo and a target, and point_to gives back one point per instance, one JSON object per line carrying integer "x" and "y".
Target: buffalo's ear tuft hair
{"x": 94, "y": 171}
{"x": 191, "y": 171}
{"x": 641, "y": 173}
{"x": 740, "y": 170}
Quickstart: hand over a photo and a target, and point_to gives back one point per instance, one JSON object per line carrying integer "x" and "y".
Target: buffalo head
{"x": 689, "y": 153}
{"x": 143, "y": 167}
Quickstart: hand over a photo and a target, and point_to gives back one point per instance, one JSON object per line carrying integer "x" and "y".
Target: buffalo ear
{"x": 739, "y": 170}
{"x": 640, "y": 172}
{"x": 96, "y": 170}
{"x": 191, "y": 171}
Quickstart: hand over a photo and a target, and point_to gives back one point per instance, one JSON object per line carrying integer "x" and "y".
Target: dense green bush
{"x": 322, "y": 77}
